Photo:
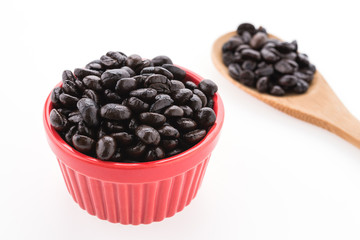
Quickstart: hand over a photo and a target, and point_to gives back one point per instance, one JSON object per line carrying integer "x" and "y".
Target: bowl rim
{"x": 69, "y": 150}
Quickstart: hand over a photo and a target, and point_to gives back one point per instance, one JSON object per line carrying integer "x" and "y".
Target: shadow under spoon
{"x": 319, "y": 105}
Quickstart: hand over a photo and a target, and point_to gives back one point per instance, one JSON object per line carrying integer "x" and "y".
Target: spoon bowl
{"x": 319, "y": 105}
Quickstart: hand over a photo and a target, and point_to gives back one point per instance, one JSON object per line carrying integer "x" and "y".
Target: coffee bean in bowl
{"x": 133, "y": 127}
{"x": 257, "y": 60}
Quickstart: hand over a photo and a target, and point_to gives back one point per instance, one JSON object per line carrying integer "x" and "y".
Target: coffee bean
{"x": 169, "y": 144}
{"x": 148, "y": 135}
{"x": 190, "y": 85}
{"x": 112, "y": 97}
{"x": 68, "y": 75}
{"x": 95, "y": 65}
{"x": 88, "y": 93}
{"x": 57, "y": 120}
{"x": 125, "y": 85}
{"x": 158, "y": 70}
{"x": 269, "y": 56}
{"x": 174, "y": 111}
{"x": 162, "y": 96}
{"x": 247, "y": 77}
{"x": 154, "y": 154}
{"x": 285, "y": 67}
{"x": 55, "y": 94}
{"x": 205, "y": 117}
{"x": 195, "y": 103}
{"x": 177, "y": 72}
{"x": 83, "y": 72}
{"x": 137, "y": 150}
{"x": 235, "y": 71}
{"x": 152, "y": 119}
{"x": 75, "y": 117}
{"x": 105, "y": 148}
{"x": 70, "y": 88}
{"x": 232, "y": 44}
{"x": 68, "y": 100}
{"x": 194, "y": 136}
{"x": 288, "y": 81}
{"x": 258, "y": 40}
{"x": 161, "y": 60}
{"x": 69, "y": 134}
{"x": 285, "y": 47}
{"x": 182, "y": 95}
{"x": 93, "y": 82}
{"x": 83, "y": 143}
{"x": 208, "y": 87}
{"x": 85, "y": 130}
{"x": 277, "y": 91}
{"x": 176, "y": 85}
{"x": 265, "y": 70}
{"x": 160, "y": 105}
{"x": 158, "y": 82}
{"x": 110, "y": 77}
{"x": 186, "y": 124}
{"x": 113, "y": 127}
{"x": 301, "y": 86}
{"x": 251, "y": 54}
{"x": 89, "y": 111}
{"x": 129, "y": 70}
{"x": 245, "y": 27}
{"x": 145, "y": 94}
{"x": 133, "y": 61}
{"x": 115, "y": 111}
{"x": 137, "y": 105}
{"x": 118, "y": 56}
{"x": 169, "y": 131}
{"x": 123, "y": 138}
{"x": 202, "y": 96}
{"x": 262, "y": 84}
{"x": 248, "y": 65}
{"x": 188, "y": 112}
{"x": 174, "y": 152}
{"x": 109, "y": 62}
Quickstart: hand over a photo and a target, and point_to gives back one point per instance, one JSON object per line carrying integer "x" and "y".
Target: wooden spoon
{"x": 319, "y": 105}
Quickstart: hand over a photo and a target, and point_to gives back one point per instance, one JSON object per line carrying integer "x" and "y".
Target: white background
{"x": 270, "y": 177}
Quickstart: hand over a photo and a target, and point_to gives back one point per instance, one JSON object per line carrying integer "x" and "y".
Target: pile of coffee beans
{"x": 269, "y": 65}
{"x": 129, "y": 109}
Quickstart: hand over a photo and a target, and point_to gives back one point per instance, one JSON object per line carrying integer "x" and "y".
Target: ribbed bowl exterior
{"x": 139, "y": 203}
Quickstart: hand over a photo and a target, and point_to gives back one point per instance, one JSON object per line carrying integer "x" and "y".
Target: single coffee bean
{"x": 115, "y": 111}
{"x": 80, "y": 85}
{"x": 245, "y": 27}
{"x": 269, "y": 56}
{"x": 249, "y": 65}
{"x": 302, "y": 60}
{"x": 169, "y": 131}
{"x": 69, "y": 134}
{"x": 68, "y": 75}
{"x": 177, "y": 72}
{"x": 152, "y": 119}
{"x": 160, "y": 105}
{"x": 112, "y": 97}
{"x": 137, "y": 105}
{"x": 162, "y": 96}
{"x": 68, "y": 100}
{"x": 288, "y": 81}
{"x": 186, "y": 124}
{"x": 228, "y": 58}
{"x": 129, "y": 70}
{"x": 195, "y": 103}
{"x": 93, "y": 82}
{"x": 194, "y": 136}
{"x": 202, "y": 96}
{"x": 158, "y": 70}
{"x": 232, "y": 44}
{"x": 88, "y": 93}
{"x": 182, "y": 95}
{"x": 176, "y": 85}
{"x": 70, "y": 88}
{"x": 161, "y": 60}
{"x": 118, "y": 56}
{"x": 95, "y": 65}
{"x": 109, "y": 62}
{"x": 262, "y": 84}
{"x": 265, "y": 70}
{"x": 57, "y": 120}
{"x": 145, "y": 94}
{"x": 208, "y": 87}
{"x": 125, "y": 85}
{"x": 306, "y": 77}
{"x": 83, "y": 72}
{"x": 277, "y": 91}
{"x": 105, "y": 148}
{"x": 285, "y": 47}
{"x": 83, "y": 143}
{"x": 110, "y": 77}
{"x": 75, "y": 117}
{"x": 301, "y": 86}
{"x": 89, "y": 111}
{"x": 190, "y": 85}
{"x": 188, "y": 112}
{"x": 55, "y": 94}
{"x": 137, "y": 150}
{"x": 148, "y": 135}
{"x": 235, "y": 71}
{"x": 133, "y": 61}
{"x": 123, "y": 138}
{"x": 169, "y": 144}
{"x": 154, "y": 154}
{"x": 174, "y": 111}
{"x": 285, "y": 67}
{"x": 205, "y": 117}
{"x": 247, "y": 77}
{"x": 251, "y": 54}
{"x": 158, "y": 82}
{"x": 258, "y": 40}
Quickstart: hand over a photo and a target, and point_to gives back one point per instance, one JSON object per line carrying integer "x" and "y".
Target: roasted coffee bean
{"x": 68, "y": 75}
{"x": 194, "y": 136}
{"x": 57, "y": 120}
{"x": 95, "y": 65}
{"x": 285, "y": 66}
{"x": 235, "y": 71}
{"x": 145, "y": 94}
{"x": 190, "y": 85}
{"x": 158, "y": 82}
{"x": 158, "y": 70}
{"x": 258, "y": 40}
{"x": 246, "y": 37}
{"x": 161, "y": 104}
{"x": 89, "y": 111}
{"x": 113, "y": 127}
{"x": 137, "y": 150}
{"x": 176, "y": 85}
{"x": 249, "y": 65}
{"x": 129, "y": 70}
{"x": 133, "y": 61}
{"x": 177, "y": 72}
{"x": 245, "y": 27}
{"x": 277, "y": 91}
{"x": 123, "y": 138}
{"x": 115, "y": 111}
{"x": 55, "y": 94}
{"x": 112, "y": 97}
{"x": 247, "y": 77}
{"x": 288, "y": 81}
{"x": 232, "y": 44}
{"x": 70, "y": 88}
{"x": 75, "y": 117}
{"x": 285, "y": 47}
{"x": 125, "y": 85}
{"x": 251, "y": 54}
{"x": 169, "y": 132}
{"x": 68, "y": 100}
{"x": 301, "y": 86}
{"x": 162, "y": 96}
{"x": 169, "y": 144}
{"x": 269, "y": 56}
{"x": 80, "y": 85}
{"x": 182, "y": 95}
{"x": 228, "y": 58}
{"x": 195, "y": 103}
{"x": 202, "y": 96}
{"x": 88, "y": 93}
{"x": 69, "y": 134}
{"x": 148, "y": 135}
{"x": 188, "y": 112}
{"x": 93, "y": 82}
{"x": 208, "y": 87}
{"x": 265, "y": 70}
{"x": 262, "y": 84}
{"x": 109, "y": 62}
{"x": 152, "y": 119}
{"x": 64, "y": 111}
{"x": 137, "y": 105}
{"x": 306, "y": 77}
{"x": 161, "y": 60}
{"x": 85, "y": 130}
{"x": 105, "y": 148}
{"x": 154, "y": 154}
{"x": 140, "y": 79}
{"x": 83, "y": 72}
{"x": 186, "y": 124}
{"x": 118, "y": 56}
{"x": 110, "y": 77}
{"x": 303, "y": 60}
{"x": 174, "y": 111}
{"x": 83, "y": 143}
{"x": 205, "y": 117}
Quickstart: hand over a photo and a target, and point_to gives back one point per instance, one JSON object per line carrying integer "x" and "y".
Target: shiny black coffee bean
{"x": 136, "y": 150}
{"x": 113, "y": 126}
{"x": 186, "y": 124}
{"x": 145, "y": 94}
{"x": 285, "y": 47}
{"x": 68, "y": 75}
{"x": 258, "y": 40}
{"x": 83, "y": 72}
{"x": 154, "y": 154}
{"x": 208, "y": 87}
{"x": 264, "y": 70}
{"x": 277, "y": 91}
{"x": 174, "y": 111}
{"x": 228, "y": 58}
{"x": 89, "y": 111}
{"x": 83, "y": 143}
{"x": 112, "y": 97}
{"x": 105, "y": 148}
{"x": 205, "y": 117}
{"x": 190, "y": 85}
{"x": 162, "y": 96}
{"x": 68, "y": 100}
{"x": 95, "y": 65}
{"x": 160, "y": 105}
{"x": 148, "y": 135}
{"x": 306, "y": 77}
{"x": 58, "y": 120}
{"x": 235, "y": 71}
{"x": 269, "y": 56}
{"x": 161, "y": 60}
{"x": 288, "y": 81}
{"x": 69, "y": 134}
{"x": 70, "y": 88}
{"x": 110, "y": 77}
{"x": 176, "y": 85}
{"x": 158, "y": 82}
{"x": 177, "y": 72}
{"x": 75, "y": 117}
{"x": 118, "y": 56}
{"x": 109, "y": 62}
{"x": 194, "y": 136}
{"x": 93, "y": 82}
{"x": 133, "y": 61}
{"x": 115, "y": 111}
{"x": 232, "y": 44}
{"x": 301, "y": 86}
{"x": 251, "y": 54}
{"x": 80, "y": 85}
{"x": 285, "y": 66}
{"x": 262, "y": 84}
{"x": 249, "y": 65}
{"x": 136, "y": 105}
{"x": 188, "y": 112}
{"x": 202, "y": 96}
{"x": 169, "y": 132}
{"x": 152, "y": 119}
{"x": 158, "y": 70}
{"x": 55, "y": 94}
{"x": 302, "y": 60}
{"x": 129, "y": 70}
{"x": 88, "y": 93}
{"x": 85, "y": 130}
{"x": 169, "y": 144}
{"x": 125, "y": 85}
{"x": 248, "y": 27}
{"x": 123, "y": 138}
{"x": 247, "y": 77}
{"x": 182, "y": 95}
{"x": 195, "y": 103}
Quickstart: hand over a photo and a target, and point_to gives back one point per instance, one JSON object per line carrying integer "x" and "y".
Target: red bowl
{"x": 135, "y": 193}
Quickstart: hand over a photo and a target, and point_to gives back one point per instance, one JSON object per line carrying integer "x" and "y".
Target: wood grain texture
{"x": 319, "y": 105}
